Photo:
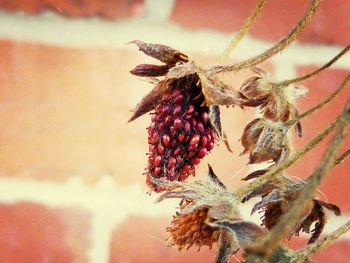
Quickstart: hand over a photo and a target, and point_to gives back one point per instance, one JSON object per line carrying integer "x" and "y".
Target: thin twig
{"x": 269, "y": 243}
{"x": 242, "y": 31}
{"x": 322, "y": 104}
{"x": 302, "y": 254}
{"x": 309, "y": 75}
{"x": 282, "y": 44}
{"x": 342, "y": 157}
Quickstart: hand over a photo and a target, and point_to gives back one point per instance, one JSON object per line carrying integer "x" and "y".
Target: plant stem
{"x": 282, "y": 44}
{"x": 309, "y": 75}
{"x": 322, "y": 104}
{"x": 242, "y": 31}
{"x": 342, "y": 157}
{"x": 287, "y": 222}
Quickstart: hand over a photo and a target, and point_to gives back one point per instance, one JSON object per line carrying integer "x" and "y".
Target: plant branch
{"x": 322, "y": 104}
{"x": 282, "y": 44}
{"x": 242, "y": 31}
{"x": 342, "y": 157}
{"x": 302, "y": 254}
{"x": 309, "y": 75}
{"x": 269, "y": 243}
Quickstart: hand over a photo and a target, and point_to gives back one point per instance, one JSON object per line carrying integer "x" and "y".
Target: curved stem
{"x": 282, "y": 44}
{"x": 342, "y": 157}
{"x": 322, "y": 104}
{"x": 242, "y": 31}
{"x": 309, "y": 75}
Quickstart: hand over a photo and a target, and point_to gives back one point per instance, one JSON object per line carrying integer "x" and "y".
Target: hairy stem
{"x": 286, "y": 224}
{"x": 322, "y": 104}
{"x": 342, "y": 157}
{"x": 309, "y": 75}
{"x": 322, "y": 243}
{"x": 242, "y": 32}
{"x": 278, "y": 47}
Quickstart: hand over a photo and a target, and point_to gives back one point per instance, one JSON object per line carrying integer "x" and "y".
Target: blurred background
{"x": 71, "y": 183}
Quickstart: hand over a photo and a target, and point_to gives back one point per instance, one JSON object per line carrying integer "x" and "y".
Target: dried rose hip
{"x": 182, "y": 131}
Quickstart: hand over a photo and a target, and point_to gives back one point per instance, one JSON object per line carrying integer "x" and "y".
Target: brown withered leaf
{"x": 251, "y": 134}
{"x": 150, "y": 101}
{"x": 227, "y": 247}
{"x": 218, "y": 93}
{"x": 254, "y": 174}
{"x": 214, "y": 177}
{"x": 149, "y": 70}
{"x": 214, "y": 117}
{"x": 161, "y": 52}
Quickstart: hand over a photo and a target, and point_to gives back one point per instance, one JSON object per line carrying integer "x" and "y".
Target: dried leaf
{"x": 161, "y": 52}
{"x": 227, "y": 247}
{"x": 214, "y": 117}
{"x": 254, "y": 174}
{"x": 149, "y": 70}
{"x": 182, "y": 70}
{"x": 226, "y": 142}
{"x": 214, "y": 178}
{"x": 150, "y": 101}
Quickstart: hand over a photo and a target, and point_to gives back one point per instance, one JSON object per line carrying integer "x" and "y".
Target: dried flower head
{"x": 183, "y": 128}
{"x": 265, "y": 140}
{"x": 278, "y": 103}
{"x": 279, "y": 194}
{"x": 203, "y": 202}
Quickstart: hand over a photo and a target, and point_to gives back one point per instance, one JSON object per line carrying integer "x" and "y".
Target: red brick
{"x": 111, "y": 9}
{"x": 335, "y": 186}
{"x": 275, "y": 21}
{"x": 33, "y": 233}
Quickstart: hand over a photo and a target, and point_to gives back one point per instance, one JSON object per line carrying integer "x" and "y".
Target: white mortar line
{"x": 158, "y": 10}
{"x": 52, "y": 29}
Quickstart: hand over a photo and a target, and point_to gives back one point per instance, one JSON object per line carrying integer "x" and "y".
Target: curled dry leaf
{"x": 265, "y": 140}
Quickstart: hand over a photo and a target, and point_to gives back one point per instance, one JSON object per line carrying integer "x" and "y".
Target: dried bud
{"x": 147, "y": 70}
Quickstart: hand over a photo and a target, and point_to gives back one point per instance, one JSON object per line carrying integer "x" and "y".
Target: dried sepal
{"x": 254, "y": 174}
{"x": 149, "y": 70}
{"x": 182, "y": 70}
{"x": 214, "y": 118}
{"x": 163, "y": 53}
{"x": 251, "y": 134}
{"x": 150, "y": 101}
{"x": 227, "y": 247}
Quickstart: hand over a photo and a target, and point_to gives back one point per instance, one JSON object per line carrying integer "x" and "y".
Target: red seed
{"x": 177, "y": 123}
{"x": 152, "y": 148}
{"x": 155, "y": 118}
{"x": 150, "y": 160}
{"x": 157, "y": 160}
{"x": 161, "y": 126}
{"x": 202, "y": 152}
{"x": 177, "y": 151}
{"x": 171, "y": 162}
{"x": 193, "y": 122}
{"x": 173, "y": 143}
{"x": 168, "y": 119}
{"x": 179, "y": 98}
{"x": 177, "y": 109}
{"x": 204, "y": 140}
{"x": 195, "y": 161}
{"x": 172, "y": 130}
{"x": 157, "y": 171}
{"x": 186, "y": 168}
{"x": 180, "y": 137}
{"x": 165, "y": 109}
{"x": 166, "y": 140}
{"x": 200, "y": 127}
{"x": 155, "y": 136}
{"x": 176, "y": 92}
{"x": 205, "y": 117}
{"x": 187, "y": 126}
{"x": 194, "y": 139}
{"x": 192, "y": 147}
{"x": 160, "y": 149}
{"x": 190, "y": 109}
{"x": 187, "y": 116}
{"x": 210, "y": 146}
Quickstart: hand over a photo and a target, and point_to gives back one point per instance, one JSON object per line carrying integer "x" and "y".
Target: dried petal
{"x": 161, "y": 52}
{"x": 251, "y": 134}
{"x": 148, "y": 70}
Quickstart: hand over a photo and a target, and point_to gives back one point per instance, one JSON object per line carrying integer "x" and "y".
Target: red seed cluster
{"x": 179, "y": 136}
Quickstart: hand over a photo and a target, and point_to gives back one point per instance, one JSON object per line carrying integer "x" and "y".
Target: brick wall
{"x": 71, "y": 188}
